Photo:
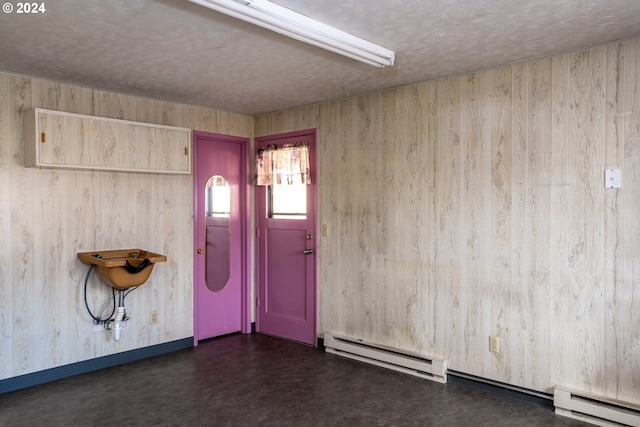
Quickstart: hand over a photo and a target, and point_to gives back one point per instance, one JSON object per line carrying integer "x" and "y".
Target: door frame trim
{"x": 264, "y": 140}
{"x": 245, "y": 219}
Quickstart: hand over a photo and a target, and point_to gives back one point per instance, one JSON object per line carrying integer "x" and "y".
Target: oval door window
{"x": 216, "y": 223}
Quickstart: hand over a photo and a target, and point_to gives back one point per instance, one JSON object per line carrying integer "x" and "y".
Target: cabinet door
{"x": 84, "y": 140}
{"x": 42, "y": 133}
{"x": 95, "y": 144}
{"x": 65, "y": 140}
{"x": 117, "y": 148}
{"x": 141, "y": 140}
{"x": 170, "y": 150}
{"x": 61, "y": 139}
{"x": 47, "y": 145}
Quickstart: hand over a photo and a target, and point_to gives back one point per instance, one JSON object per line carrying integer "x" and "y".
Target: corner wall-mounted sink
{"x": 124, "y": 268}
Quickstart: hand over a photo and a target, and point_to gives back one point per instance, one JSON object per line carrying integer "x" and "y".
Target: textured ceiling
{"x": 178, "y": 51}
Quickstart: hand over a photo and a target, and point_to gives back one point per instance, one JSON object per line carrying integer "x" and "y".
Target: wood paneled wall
{"x": 48, "y": 215}
{"x": 475, "y": 206}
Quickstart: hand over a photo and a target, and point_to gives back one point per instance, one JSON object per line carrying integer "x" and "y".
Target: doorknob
{"x": 308, "y": 251}
{"x": 200, "y": 251}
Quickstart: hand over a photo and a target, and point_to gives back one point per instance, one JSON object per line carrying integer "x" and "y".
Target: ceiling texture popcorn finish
{"x": 178, "y": 51}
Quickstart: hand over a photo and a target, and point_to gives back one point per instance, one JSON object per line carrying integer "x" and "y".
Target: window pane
{"x": 287, "y": 201}
{"x": 217, "y": 197}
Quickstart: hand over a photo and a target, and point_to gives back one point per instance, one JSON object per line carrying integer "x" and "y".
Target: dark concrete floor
{"x": 256, "y": 380}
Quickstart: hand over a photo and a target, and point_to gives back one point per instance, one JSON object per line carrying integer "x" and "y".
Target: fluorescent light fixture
{"x": 285, "y": 21}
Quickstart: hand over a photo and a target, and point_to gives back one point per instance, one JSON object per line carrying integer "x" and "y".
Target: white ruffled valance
{"x": 288, "y": 164}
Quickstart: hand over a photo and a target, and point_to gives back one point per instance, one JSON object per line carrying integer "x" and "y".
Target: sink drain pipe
{"x": 119, "y": 316}
{"x": 110, "y": 323}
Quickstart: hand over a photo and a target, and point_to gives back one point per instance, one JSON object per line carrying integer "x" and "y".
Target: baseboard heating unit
{"x": 386, "y": 357}
{"x": 596, "y": 410}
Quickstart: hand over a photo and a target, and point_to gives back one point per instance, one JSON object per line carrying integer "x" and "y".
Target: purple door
{"x": 219, "y": 235}
{"x": 286, "y": 251}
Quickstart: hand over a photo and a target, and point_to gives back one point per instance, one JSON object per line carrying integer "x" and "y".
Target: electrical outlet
{"x": 324, "y": 230}
{"x": 154, "y": 316}
{"x": 494, "y": 344}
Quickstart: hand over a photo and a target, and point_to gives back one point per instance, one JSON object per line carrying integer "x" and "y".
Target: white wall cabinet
{"x": 56, "y": 139}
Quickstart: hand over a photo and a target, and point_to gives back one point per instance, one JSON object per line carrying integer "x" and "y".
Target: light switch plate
{"x": 612, "y": 178}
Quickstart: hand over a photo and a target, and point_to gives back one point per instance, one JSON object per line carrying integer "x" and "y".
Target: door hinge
{"x": 257, "y": 302}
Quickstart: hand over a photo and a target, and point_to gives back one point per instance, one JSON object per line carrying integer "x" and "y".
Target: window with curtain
{"x": 288, "y": 164}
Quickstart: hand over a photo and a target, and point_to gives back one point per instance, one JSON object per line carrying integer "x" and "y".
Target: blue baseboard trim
{"x": 60, "y": 372}
{"x": 501, "y": 389}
